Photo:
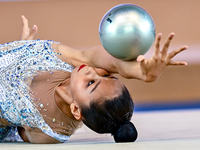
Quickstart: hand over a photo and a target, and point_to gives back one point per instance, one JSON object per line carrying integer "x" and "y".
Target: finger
{"x": 175, "y": 52}
{"x": 33, "y": 33}
{"x": 140, "y": 58}
{"x": 143, "y": 64}
{"x": 25, "y": 28}
{"x": 157, "y": 45}
{"x": 174, "y": 63}
{"x": 166, "y": 45}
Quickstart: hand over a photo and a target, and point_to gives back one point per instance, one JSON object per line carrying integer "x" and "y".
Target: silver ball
{"x": 127, "y": 31}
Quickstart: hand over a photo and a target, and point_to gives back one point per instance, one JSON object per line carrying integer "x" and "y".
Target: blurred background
{"x": 75, "y": 23}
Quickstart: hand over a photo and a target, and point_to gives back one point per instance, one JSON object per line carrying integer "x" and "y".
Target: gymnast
{"x": 47, "y": 89}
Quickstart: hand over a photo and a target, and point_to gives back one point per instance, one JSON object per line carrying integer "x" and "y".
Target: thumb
{"x": 143, "y": 62}
{"x": 33, "y": 33}
{"x": 140, "y": 58}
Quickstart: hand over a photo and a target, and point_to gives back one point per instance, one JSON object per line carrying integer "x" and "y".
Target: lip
{"x": 81, "y": 67}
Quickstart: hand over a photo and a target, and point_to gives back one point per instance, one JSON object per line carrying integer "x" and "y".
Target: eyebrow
{"x": 95, "y": 86}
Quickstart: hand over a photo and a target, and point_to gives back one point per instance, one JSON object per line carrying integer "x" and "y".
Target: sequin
{"x": 20, "y": 61}
{"x": 44, "y": 128}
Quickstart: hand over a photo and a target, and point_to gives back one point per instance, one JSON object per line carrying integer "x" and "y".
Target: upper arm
{"x": 71, "y": 55}
{"x": 22, "y": 134}
{"x": 96, "y": 57}
{"x": 36, "y": 136}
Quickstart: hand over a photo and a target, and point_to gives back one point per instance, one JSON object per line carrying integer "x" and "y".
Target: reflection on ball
{"x": 127, "y": 31}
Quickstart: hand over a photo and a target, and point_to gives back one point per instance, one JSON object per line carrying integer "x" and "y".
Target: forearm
{"x": 149, "y": 69}
{"x": 99, "y": 58}
{"x": 128, "y": 69}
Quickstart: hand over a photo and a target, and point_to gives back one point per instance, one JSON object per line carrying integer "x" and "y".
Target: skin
{"x": 87, "y": 84}
{"x": 75, "y": 91}
{"x": 84, "y": 86}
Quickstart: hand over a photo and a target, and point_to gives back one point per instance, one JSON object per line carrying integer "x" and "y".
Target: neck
{"x": 63, "y": 97}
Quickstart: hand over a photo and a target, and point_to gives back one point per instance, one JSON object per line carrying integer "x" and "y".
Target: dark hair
{"x": 112, "y": 116}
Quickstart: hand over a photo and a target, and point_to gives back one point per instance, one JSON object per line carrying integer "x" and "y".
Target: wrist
{"x": 150, "y": 77}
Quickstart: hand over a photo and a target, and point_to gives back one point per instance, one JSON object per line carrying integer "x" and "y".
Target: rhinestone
{"x": 23, "y": 71}
{"x": 47, "y": 104}
{"x": 41, "y": 106}
{"x": 45, "y": 109}
{"x": 44, "y": 127}
{"x": 54, "y": 119}
{"x": 47, "y": 79}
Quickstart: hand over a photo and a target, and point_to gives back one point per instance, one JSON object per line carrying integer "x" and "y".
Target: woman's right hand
{"x": 153, "y": 67}
{"x": 26, "y": 34}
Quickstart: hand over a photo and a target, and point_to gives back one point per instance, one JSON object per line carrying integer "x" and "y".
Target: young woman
{"x": 47, "y": 89}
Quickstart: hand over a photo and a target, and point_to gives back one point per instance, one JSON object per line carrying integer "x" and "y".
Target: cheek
{"x": 77, "y": 86}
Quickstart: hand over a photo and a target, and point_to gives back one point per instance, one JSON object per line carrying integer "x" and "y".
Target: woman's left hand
{"x": 26, "y": 34}
{"x": 153, "y": 67}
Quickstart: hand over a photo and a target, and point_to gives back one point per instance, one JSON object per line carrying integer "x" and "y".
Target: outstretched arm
{"x": 144, "y": 69}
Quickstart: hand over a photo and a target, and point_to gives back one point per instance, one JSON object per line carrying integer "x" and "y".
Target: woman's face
{"x": 88, "y": 83}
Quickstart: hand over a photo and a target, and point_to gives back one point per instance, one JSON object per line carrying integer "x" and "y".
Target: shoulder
{"x": 71, "y": 55}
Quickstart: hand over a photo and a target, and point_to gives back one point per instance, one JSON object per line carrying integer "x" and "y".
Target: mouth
{"x": 81, "y": 67}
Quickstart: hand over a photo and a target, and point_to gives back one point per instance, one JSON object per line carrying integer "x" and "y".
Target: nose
{"x": 90, "y": 70}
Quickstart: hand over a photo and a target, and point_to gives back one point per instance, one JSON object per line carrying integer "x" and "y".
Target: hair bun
{"x": 125, "y": 133}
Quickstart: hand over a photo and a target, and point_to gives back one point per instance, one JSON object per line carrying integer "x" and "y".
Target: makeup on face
{"x": 81, "y": 67}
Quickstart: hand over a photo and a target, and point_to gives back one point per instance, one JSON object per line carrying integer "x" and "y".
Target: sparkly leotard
{"x": 24, "y": 66}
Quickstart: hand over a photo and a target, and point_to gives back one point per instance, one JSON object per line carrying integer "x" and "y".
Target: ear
{"x": 75, "y": 111}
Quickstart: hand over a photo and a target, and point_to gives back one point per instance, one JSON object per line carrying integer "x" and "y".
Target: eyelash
{"x": 106, "y": 75}
{"x": 91, "y": 82}
{"x": 110, "y": 77}
{"x": 94, "y": 80}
